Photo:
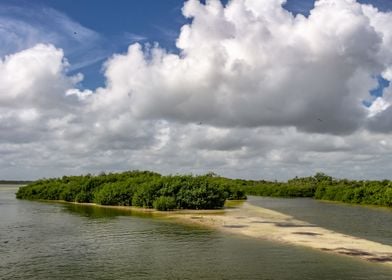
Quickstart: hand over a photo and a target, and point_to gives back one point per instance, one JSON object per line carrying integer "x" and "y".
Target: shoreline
{"x": 261, "y": 223}
{"x": 140, "y": 209}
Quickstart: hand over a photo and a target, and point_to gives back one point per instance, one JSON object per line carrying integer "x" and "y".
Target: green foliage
{"x": 201, "y": 193}
{"x": 277, "y": 189}
{"x": 146, "y": 193}
{"x": 148, "y": 189}
{"x": 83, "y": 197}
{"x": 137, "y": 188}
{"x": 165, "y": 203}
{"x": 119, "y": 193}
{"x": 322, "y": 186}
{"x": 358, "y": 192}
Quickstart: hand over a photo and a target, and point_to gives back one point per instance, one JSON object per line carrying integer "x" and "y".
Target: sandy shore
{"x": 266, "y": 224}
{"x": 256, "y": 222}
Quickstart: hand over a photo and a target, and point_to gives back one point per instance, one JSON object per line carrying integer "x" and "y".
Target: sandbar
{"x": 262, "y": 223}
{"x": 256, "y": 222}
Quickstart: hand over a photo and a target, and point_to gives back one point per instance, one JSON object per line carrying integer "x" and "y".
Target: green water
{"x": 60, "y": 241}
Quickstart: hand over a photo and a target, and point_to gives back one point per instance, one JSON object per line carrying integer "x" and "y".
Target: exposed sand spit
{"x": 262, "y": 223}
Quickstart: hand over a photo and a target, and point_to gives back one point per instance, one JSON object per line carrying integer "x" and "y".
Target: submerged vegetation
{"x": 152, "y": 190}
{"x": 137, "y": 188}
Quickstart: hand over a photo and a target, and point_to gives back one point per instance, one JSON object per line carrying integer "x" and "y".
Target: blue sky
{"x": 253, "y": 93}
{"x": 118, "y": 24}
{"x": 122, "y": 22}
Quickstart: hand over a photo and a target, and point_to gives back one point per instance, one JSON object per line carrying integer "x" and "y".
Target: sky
{"x": 255, "y": 89}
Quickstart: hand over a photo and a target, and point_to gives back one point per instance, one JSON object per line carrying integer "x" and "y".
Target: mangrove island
{"x": 152, "y": 190}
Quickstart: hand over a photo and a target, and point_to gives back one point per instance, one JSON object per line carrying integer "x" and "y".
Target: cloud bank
{"x": 254, "y": 92}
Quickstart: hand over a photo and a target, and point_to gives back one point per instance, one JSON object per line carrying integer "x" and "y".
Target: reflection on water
{"x": 64, "y": 241}
{"x": 95, "y": 212}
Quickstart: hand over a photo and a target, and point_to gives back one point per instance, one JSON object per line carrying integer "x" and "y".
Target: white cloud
{"x": 33, "y": 76}
{"x": 378, "y": 106}
{"x": 254, "y": 92}
{"x": 252, "y": 64}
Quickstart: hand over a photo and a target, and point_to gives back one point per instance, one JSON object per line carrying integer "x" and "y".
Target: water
{"x": 61, "y": 241}
{"x": 372, "y": 223}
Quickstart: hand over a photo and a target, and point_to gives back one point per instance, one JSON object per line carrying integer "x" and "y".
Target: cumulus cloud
{"x": 253, "y": 92}
{"x": 252, "y": 63}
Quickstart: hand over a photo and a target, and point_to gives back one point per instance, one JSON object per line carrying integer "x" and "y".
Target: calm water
{"x": 372, "y": 223}
{"x": 57, "y": 241}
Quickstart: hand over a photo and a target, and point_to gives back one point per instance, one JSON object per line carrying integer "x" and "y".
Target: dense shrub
{"x": 114, "y": 194}
{"x": 138, "y": 188}
{"x": 149, "y": 189}
{"x": 201, "y": 193}
{"x": 358, "y": 192}
{"x": 165, "y": 203}
{"x": 325, "y": 187}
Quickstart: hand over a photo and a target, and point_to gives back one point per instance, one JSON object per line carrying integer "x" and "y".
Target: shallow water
{"x": 372, "y": 223}
{"x": 61, "y": 241}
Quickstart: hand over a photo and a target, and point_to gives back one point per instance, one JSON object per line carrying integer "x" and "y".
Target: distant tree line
{"x": 324, "y": 187}
{"x": 137, "y": 188}
{"x": 14, "y": 182}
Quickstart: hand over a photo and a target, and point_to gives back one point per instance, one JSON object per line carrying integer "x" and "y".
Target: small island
{"x": 137, "y": 188}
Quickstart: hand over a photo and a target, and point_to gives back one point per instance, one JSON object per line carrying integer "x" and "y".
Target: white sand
{"x": 262, "y": 223}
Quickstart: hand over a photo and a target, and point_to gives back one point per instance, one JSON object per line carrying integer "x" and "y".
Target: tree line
{"x": 324, "y": 187}
{"x": 152, "y": 190}
{"x": 137, "y": 188}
